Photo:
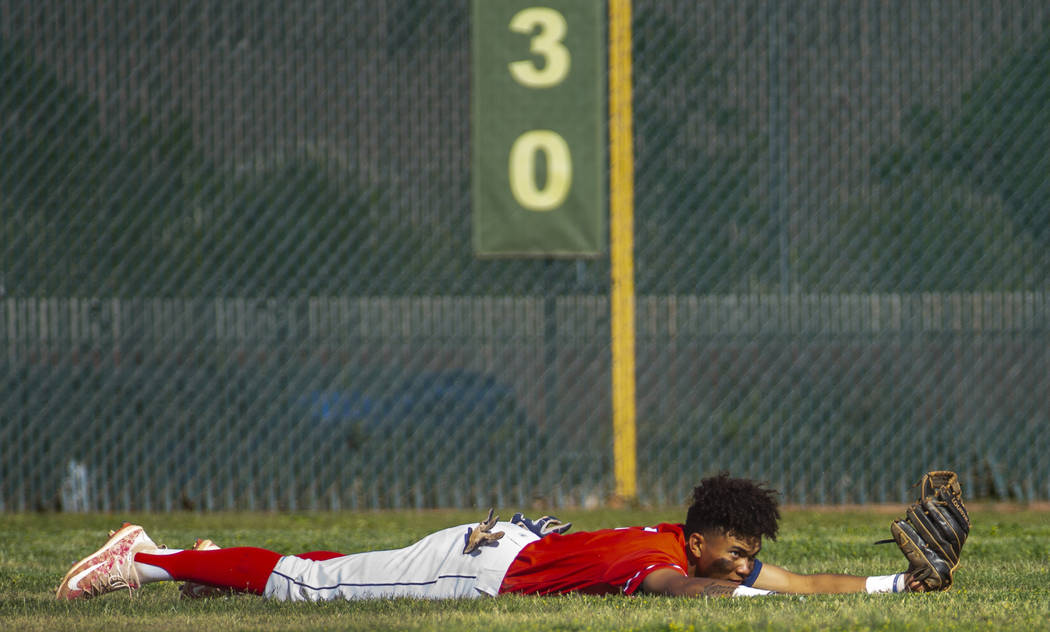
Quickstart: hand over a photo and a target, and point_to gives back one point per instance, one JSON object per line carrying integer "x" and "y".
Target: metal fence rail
{"x": 236, "y": 266}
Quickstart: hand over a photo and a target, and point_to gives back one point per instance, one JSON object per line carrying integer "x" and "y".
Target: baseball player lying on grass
{"x": 715, "y": 553}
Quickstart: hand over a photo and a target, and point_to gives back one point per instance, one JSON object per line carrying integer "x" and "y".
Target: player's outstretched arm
{"x": 776, "y": 580}
{"x": 781, "y": 580}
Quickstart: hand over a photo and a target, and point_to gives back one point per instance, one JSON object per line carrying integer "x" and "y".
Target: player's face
{"x": 725, "y": 556}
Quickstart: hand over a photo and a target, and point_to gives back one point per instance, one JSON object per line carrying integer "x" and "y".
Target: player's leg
{"x": 435, "y": 568}
{"x": 193, "y": 590}
{"x": 130, "y": 558}
{"x": 196, "y": 590}
{"x": 243, "y": 569}
{"x": 432, "y": 568}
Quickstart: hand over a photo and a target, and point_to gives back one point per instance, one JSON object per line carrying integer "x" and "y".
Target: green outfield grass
{"x": 1004, "y": 582}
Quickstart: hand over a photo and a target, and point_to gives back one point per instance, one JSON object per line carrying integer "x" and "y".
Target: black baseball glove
{"x": 933, "y": 531}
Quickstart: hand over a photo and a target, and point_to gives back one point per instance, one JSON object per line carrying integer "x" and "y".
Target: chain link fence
{"x": 236, "y": 267}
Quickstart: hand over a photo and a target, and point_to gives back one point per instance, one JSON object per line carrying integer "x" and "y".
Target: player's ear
{"x": 695, "y": 543}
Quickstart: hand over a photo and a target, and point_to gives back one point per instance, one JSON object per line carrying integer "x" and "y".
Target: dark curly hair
{"x": 733, "y": 505}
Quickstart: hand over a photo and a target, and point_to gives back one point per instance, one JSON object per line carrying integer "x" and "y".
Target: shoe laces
{"x": 115, "y": 581}
{"x": 120, "y": 577}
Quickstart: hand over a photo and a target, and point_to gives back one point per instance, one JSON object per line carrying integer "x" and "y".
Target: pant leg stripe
{"x": 371, "y": 585}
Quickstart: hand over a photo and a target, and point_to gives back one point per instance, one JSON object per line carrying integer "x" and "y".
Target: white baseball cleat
{"x": 193, "y": 590}
{"x": 110, "y": 568}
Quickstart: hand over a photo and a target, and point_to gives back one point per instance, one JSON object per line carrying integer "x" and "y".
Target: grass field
{"x": 1003, "y": 584}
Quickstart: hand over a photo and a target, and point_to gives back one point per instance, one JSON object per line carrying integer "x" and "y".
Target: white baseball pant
{"x": 432, "y": 568}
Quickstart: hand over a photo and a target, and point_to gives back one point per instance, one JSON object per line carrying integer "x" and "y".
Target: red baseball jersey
{"x": 596, "y": 562}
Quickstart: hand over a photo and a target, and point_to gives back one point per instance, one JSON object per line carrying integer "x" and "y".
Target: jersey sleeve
{"x": 665, "y": 550}
{"x": 635, "y": 582}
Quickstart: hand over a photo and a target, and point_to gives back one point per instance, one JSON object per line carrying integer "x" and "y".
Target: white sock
{"x": 885, "y": 584}
{"x": 149, "y": 573}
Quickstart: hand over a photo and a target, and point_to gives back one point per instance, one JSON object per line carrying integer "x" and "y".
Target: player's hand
{"x": 913, "y": 584}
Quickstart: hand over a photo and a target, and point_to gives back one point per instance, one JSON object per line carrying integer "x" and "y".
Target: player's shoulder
{"x": 670, "y": 527}
{"x": 639, "y": 536}
{"x": 663, "y": 527}
{"x": 676, "y": 529}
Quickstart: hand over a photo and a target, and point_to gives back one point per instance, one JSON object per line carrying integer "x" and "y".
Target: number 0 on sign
{"x": 523, "y": 171}
{"x": 538, "y": 128}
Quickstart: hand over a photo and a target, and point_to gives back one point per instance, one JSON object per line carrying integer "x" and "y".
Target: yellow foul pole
{"x": 621, "y": 249}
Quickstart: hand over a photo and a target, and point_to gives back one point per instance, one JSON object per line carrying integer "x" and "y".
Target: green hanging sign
{"x": 538, "y": 128}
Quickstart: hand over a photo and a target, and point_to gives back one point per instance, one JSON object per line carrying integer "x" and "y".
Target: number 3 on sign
{"x": 548, "y": 44}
